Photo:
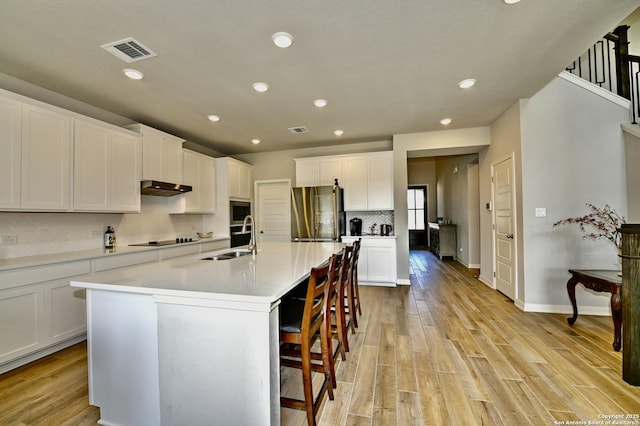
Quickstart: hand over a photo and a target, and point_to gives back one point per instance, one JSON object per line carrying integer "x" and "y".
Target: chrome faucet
{"x": 253, "y": 247}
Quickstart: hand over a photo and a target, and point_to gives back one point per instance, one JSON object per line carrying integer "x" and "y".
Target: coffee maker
{"x": 355, "y": 226}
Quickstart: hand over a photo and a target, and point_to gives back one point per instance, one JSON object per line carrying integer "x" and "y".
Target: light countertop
{"x": 263, "y": 278}
{"x": 50, "y": 258}
{"x": 355, "y": 237}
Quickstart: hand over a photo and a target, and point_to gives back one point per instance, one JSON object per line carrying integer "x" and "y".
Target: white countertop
{"x": 355, "y": 237}
{"x": 46, "y": 259}
{"x": 263, "y": 278}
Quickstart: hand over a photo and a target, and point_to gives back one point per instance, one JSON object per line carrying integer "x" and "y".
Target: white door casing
{"x": 504, "y": 248}
{"x": 273, "y": 210}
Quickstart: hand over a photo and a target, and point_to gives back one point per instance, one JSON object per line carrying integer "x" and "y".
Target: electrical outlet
{"x": 8, "y": 239}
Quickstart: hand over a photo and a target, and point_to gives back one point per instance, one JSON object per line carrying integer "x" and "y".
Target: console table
{"x": 442, "y": 239}
{"x": 599, "y": 280}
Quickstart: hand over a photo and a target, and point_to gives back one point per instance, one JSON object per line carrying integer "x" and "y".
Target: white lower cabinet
{"x": 41, "y": 309}
{"x": 40, "y": 313}
{"x": 66, "y": 308}
{"x": 21, "y": 321}
{"x": 377, "y": 260}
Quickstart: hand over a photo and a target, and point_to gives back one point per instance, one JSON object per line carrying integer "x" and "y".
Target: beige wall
{"x": 573, "y": 153}
{"x": 505, "y": 141}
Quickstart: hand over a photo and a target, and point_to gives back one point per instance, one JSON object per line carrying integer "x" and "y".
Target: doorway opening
{"x": 417, "y": 217}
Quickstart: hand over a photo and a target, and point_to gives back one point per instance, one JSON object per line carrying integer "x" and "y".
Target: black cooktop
{"x": 163, "y": 242}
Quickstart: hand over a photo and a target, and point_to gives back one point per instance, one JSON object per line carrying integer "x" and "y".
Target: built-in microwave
{"x": 238, "y": 211}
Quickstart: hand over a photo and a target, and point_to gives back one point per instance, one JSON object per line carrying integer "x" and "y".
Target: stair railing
{"x": 609, "y": 65}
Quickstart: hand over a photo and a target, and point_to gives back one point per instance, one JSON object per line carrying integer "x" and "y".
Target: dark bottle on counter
{"x": 109, "y": 238}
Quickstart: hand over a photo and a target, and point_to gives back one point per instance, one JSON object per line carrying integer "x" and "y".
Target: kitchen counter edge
{"x": 70, "y": 256}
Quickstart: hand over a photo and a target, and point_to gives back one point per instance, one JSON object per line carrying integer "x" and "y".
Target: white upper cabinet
{"x": 318, "y": 171}
{"x": 330, "y": 170}
{"x": 124, "y": 179}
{"x": 46, "y": 160}
{"x": 200, "y": 174}
{"x": 106, "y": 168}
{"x": 356, "y": 183}
{"x": 10, "y": 148}
{"x": 161, "y": 155}
{"x": 367, "y": 178}
{"x": 239, "y": 179}
{"x": 307, "y": 171}
{"x": 380, "y": 181}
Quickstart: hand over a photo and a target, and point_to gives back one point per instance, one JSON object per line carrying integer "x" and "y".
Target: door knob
{"x": 510, "y": 236}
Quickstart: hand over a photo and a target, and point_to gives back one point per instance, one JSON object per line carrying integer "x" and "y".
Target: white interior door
{"x": 273, "y": 210}
{"x": 504, "y": 228}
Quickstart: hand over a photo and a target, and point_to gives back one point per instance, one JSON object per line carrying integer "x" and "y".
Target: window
{"x": 415, "y": 204}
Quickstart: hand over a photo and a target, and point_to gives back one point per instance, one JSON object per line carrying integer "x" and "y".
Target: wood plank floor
{"x": 446, "y": 350}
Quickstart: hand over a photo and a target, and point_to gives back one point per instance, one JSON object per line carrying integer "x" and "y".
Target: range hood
{"x": 162, "y": 189}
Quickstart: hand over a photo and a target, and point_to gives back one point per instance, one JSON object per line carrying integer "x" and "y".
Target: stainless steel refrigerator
{"x": 317, "y": 213}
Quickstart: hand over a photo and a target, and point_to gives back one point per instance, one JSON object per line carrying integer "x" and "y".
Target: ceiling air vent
{"x": 298, "y": 129}
{"x": 129, "y": 50}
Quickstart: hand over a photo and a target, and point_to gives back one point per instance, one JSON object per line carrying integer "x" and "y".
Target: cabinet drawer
{"x": 20, "y": 277}
{"x": 113, "y": 262}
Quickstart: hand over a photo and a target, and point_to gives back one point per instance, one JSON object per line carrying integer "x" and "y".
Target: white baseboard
{"x": 403, "y": 281}
{"x": 566, "y": 309}
{"x": 376, "y": 284}
{"x": 486, "y": 282}
{"x": 468, "y": 265}
{"x": 40, "y": 354}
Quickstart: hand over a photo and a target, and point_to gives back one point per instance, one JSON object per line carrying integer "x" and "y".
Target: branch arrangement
{"x": 602, "y": 222}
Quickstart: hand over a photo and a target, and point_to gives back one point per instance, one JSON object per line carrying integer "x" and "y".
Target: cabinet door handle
{"x": 510, "y": 236}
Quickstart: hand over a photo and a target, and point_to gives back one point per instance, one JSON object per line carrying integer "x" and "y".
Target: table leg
{"x": 616, "y": 313}
{"x": 571, "y": 289}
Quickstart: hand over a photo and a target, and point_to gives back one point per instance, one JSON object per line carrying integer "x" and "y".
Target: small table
{"x": 599, "y": 280}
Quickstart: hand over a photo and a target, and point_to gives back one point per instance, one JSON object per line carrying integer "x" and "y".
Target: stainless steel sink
{"x": 228, "y": 255}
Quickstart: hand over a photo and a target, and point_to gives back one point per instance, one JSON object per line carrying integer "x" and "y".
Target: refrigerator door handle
{"x": 316, "y": 213}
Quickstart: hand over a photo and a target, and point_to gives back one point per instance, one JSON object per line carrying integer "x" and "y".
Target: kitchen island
{"x": 191, "y": 341}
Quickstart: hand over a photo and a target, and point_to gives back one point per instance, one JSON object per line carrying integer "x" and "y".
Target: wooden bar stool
{"x": 353, "y": 292}
{"x": 301, "y": 324}
{"x": 343, "y": 322}
{"x": 333, "y": 331}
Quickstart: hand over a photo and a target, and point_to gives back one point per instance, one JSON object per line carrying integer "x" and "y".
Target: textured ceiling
{"x": 386, "y": 67}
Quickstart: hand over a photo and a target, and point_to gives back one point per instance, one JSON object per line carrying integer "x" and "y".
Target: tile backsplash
{"x": 44, "y": 233}
{"x": 371, "y": 218}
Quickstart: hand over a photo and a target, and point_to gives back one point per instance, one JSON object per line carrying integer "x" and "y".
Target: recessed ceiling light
{"x": 445, "y": 121}
{"x": 338, "y": 132}
{"x": 282, "y": 39}
{"x": 260, "y": 87}
{"x": 133, "y": 74}
{"x": 320, "y": 103}
{"x": 213, "y": 117}
{"x": 511, "y": 1}
{"x": 255, "y": 141}
{"x": 466, "y": 83}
